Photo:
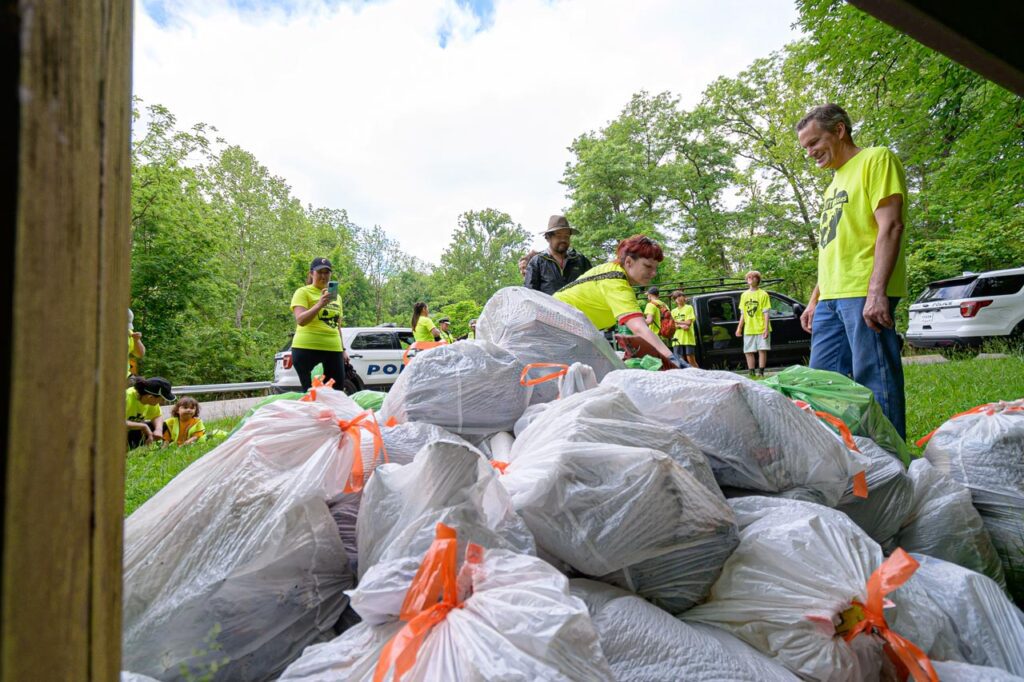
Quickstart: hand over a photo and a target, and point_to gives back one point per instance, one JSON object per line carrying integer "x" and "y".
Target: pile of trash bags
{"x": 522, "y": 507}
{"x": 983, "y": 449}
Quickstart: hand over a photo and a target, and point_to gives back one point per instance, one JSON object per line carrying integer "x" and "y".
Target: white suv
{"x": 374, "y": 352}
{"x": 961, "y": 312}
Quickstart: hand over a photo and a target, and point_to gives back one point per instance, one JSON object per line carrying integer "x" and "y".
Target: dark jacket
{"x": 543, "y": 273}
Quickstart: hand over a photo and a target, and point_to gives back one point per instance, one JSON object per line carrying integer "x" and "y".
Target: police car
{"x": 375, "y": 353}
{"x": 960, "y": 313}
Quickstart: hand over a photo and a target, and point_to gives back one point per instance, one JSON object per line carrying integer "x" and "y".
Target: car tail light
{"x": 971, "y": 308}
{"x": 286, "y": 361}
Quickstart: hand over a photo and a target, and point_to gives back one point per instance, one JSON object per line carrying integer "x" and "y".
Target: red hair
{"x": 638, "y": 246}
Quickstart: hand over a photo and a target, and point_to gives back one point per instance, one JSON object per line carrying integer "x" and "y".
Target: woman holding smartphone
{"x": 317, "y": 340}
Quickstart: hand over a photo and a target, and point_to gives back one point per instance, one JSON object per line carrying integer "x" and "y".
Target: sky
{"x": 407, "y": 113}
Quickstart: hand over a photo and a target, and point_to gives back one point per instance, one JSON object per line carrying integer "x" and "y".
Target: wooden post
{"x": 65, "y": 90}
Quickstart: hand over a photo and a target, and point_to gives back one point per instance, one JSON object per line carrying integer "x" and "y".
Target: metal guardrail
{"x": 223, "y": 388}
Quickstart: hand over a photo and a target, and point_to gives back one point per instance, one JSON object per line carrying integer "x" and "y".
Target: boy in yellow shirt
{"x": 754, "y": 326}
{"x": 684, "y": 341}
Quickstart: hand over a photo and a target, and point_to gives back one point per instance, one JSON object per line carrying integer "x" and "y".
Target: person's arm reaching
{"x": 889, "y": 216}
{"x": 637, "y": 325}
{"x": 140, "y": 426}
{"x": 807, "y": 316}
{"x": 139, "y": 349}
{"x": 304, "y": 316}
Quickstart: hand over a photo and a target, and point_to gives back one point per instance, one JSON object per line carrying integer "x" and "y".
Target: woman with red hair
{"x": 605, "y": 293}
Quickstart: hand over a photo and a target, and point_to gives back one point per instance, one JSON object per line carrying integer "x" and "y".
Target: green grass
{"x": 149, "y": 468}
{"x": 937, "y": 392}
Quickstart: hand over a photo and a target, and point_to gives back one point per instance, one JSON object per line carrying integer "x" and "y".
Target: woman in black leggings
{"x": 317, "y": 337}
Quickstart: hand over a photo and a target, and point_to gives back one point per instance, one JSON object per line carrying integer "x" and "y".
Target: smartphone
{"x": 332, "y": 289}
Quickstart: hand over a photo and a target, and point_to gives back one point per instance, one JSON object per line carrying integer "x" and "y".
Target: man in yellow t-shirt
{"x": 652, "y": 311}
{"x": 861, "y": 260}
{"x": 754, "y": 326}
{"x": 684, "y": 341}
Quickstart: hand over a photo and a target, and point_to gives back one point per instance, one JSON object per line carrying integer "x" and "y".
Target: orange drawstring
{"x": 988, "y": 408}
{"x": 364, "y": 420}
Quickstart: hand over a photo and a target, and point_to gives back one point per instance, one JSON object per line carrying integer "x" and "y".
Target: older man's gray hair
{"x": 828, "y": 116}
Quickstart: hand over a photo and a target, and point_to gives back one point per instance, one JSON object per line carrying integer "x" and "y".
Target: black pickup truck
{"x": 717, "y": 303}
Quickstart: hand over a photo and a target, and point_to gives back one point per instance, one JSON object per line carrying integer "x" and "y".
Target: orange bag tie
{"x": 352, "y": 428}
{"x": 523, "y": 381}
{"x": 987, "y": 408}
{"x": 499, "y": 465}
{"x": 420, "y": 345}
{"x": 893, "y": 572}
{"x": 318, "y": 382}
{"x": 431, "y": 596}
{"x": 860, "y": 479}
{"x": 392, "y": 421}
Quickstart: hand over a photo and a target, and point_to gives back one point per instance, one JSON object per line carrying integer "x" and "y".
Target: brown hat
{"x": 558, "y": 222}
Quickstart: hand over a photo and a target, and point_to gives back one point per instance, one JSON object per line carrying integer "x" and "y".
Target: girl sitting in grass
{"x": 184, "y": 427}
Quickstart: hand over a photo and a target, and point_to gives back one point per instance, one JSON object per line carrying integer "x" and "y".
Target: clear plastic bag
{"x": 471, "y": 387}
{"x": 890, "y": 495}
{"x": 944, "y": 524}
{"x": 238, "y": 557}
{"x": 755, "y": 438}
{"x": 513, "y": 619}
{"x": 643, "y": 642}
{"x": 538, "y": 328}
{"x": 983, "y": 449}
{"x": 629, "y": 516}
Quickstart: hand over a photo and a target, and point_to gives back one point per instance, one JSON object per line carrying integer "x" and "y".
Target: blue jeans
{"x": 841, "y": 341}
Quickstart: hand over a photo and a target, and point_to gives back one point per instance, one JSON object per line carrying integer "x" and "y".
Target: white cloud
{"x": 357, "y": 105}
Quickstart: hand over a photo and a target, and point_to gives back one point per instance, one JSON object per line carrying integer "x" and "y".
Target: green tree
{"x": 483, "y": 255}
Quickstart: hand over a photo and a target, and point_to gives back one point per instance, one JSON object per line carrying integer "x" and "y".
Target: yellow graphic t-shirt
{"x": 753, "y": 305}
{"x": 653, "y": 308}
{"x": 684, "y": 337}
{"x": 847, "y": 228}
{"x": 603, "y": 301}
{"x": 422, "y": 330}
{"x": 322, "y": 331}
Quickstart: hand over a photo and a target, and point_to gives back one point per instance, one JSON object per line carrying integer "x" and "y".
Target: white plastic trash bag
{"x": 538, "y": 328}
{"x": 629, "y": 516}
{"x": 607, "y": 415}
{"x": 986, "y": 628}
{"x": 953, "y": 671}
{"x": 502, "y": 616}
{"x": 943, "y": 523}
{"x": 401, "y": 443}
{"x": 890, "y": 495}
{"x": 755, "y": 438}
{"x": 644, "y": 643}
{"x": 984, "y": 450}
{"x": 237, "y": 560}
{"x": 791, "y": 583}
{"x": 445, "y": 483}
{"x": 471, "y": 387}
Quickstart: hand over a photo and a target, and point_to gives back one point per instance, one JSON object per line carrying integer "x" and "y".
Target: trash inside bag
{"x": 841, "y": 397}
{"x": 607, "y": 415}
{"x": 500, "y": 615}
{"x": 628, "y": 516}
{"x": 643, "y": 642}
{"x": 647, "y": 362}
{"x": 445, "y": 483}
{"x": 943, "y": 523}
{"x": 369, "y": 400}
{"x": 471, "y": 387}
{"x": 985, "y": 627}
{"x": 789, "y": 589}
{"x": 755, "y": 438}
{"x": 538, "y": 328}
{"x": 890, "y": 495}
{"x": 982, "y": 449}
{"x": 238, "y": 557}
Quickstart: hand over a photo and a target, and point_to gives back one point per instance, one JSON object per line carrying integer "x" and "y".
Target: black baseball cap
{"x": 654, "y": 291}
{"x": 157, "y": 386}
{"x": 320, "y": 264}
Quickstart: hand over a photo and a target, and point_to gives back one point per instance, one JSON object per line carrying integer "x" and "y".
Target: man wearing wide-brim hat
{"x": 560, "y": 264}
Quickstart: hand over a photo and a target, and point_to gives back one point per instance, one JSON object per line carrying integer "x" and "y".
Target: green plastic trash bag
{"x": 369, "y": 400}
{"x": 842, "y": 397}
{"x": 266, "y": 401}
{"x": 648, "y": 362}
